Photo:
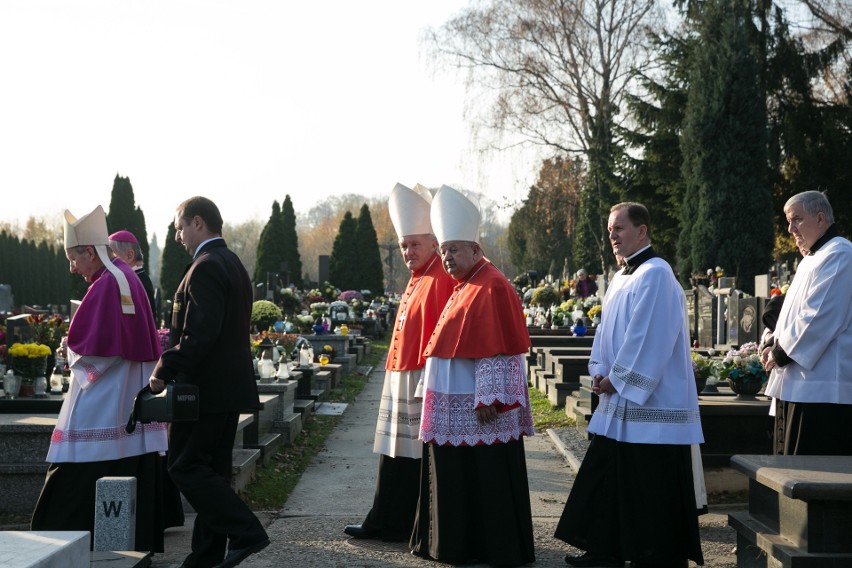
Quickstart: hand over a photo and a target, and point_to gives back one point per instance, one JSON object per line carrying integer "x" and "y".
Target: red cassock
{"x": 419, "y": 308}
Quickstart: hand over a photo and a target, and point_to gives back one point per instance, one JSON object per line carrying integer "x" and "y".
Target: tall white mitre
{"x": 409, "y": 210}
{"x": 455, "y": 216}
{"x": 91, "y": 230}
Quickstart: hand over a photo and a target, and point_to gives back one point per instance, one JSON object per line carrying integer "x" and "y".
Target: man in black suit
{"x": 209, "y": 332}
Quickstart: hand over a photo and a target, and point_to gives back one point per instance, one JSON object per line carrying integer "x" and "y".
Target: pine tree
{"x": 172, "y": 266}
{"x": 125, "y": 215}
{"x": 270, "y": 248}
{"x": 368, "y": 262}
{"x": 654, "y": 176}
{"x": 809, "y": 137}
{"x": 343, "y": 261}
{"x": 291, "y": 243}
{"x": 726, "y": 219}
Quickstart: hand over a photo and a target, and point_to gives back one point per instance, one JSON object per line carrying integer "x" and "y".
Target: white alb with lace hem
{"x": 454, "y": 388}
{"x": 91, "y": 422}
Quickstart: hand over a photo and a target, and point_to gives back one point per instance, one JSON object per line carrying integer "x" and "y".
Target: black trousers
{"x": 200, "y": 466}
{"x": 395, "y": 500}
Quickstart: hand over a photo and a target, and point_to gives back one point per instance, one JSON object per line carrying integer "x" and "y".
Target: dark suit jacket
{"x": 210, "y": 332}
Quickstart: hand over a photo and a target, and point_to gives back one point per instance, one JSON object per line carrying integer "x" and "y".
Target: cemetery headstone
{"x": 748, "y": 321}
{"x": 761, "y": 286}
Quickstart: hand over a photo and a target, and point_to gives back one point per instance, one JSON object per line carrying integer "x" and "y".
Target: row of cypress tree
{"x": 38, "y": 272}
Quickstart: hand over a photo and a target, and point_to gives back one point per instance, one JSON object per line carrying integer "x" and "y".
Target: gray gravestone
{"x": 748, "y": 321}
{"x": 323, "y": 268}
{"x": 115, "y": 513}
{"x": 725, "y": 312}
{"x": 761, "y": 286}
{"x": 706, "y": 316}
{"x": 733, "y": 319}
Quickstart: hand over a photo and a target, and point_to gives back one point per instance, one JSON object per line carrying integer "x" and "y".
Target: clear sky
{"x": 243, "y": 101}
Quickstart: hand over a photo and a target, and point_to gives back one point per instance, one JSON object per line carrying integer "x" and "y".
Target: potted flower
{"x": 703, "y": 368}
{"x": 743, "y": 370}
{"x": 595, "y": 313}
{"x": 328, "y": 353}
{"x": 30, "y": 361}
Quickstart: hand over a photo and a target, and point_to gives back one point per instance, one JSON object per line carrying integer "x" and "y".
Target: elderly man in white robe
{"x": 809, "y": 358}
{"x": 391, "y": 517}
{"x": 112, "y": 346}
{"x": 634, "y": 496}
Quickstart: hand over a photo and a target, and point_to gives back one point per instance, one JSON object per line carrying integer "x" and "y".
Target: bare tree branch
{"x": 546, "y": 70}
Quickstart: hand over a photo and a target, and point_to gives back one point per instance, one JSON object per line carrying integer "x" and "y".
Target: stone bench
{"x": 263, "y": 418}
{"x": 321, "y": 384}
{"x": 560, "y": 338}
{"x": 335, "y": 372}
{"x": 246, "y": 420}
{"x": 541, "y": 359}
{"x": 363, "y": 341}
{"x": 547, "y": 355}
{"x": 567, "y": 370}
{"x": 259, "y": 435}
{"x": 357, "y": 351}
{"x": 305, "y": 408}
{"x": 558, "y": 370}
{"x": 244, "y": 459}
{"x": 347, "y": 362}
{"x": 799, "y": 511}
{"x": 583, "y": 403}
{"x": 544, "y": 358}
{"x": 243, "y": 465}
{"x": 285, "y": 420}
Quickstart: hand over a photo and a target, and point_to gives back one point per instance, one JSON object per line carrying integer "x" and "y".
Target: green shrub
{"x": 263, "y": 314}
{"x": 545, "y": 296}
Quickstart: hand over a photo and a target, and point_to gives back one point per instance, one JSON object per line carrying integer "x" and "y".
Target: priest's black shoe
{"x": 237, "y": 555}
{"x": 361, "y": 531}
{"x": 593, "y": 560}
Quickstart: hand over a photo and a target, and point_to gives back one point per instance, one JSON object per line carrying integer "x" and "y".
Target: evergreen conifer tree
{"x": 125, "y": 215}
{"x": 654, "y": 176}
{"x": 270, "y": 248}
{"x": 726, "y": 220}
{"x": 291, "y": 243}
{"x": 342, "y": 263}
{"x": 367, "y": 264}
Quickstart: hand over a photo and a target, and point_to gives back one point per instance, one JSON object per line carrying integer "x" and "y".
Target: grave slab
{"x": 44, "y": 549}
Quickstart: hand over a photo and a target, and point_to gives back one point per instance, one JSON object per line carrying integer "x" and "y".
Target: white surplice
{"x": 815, "y": 329}
{"x": 642, "y": 345}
